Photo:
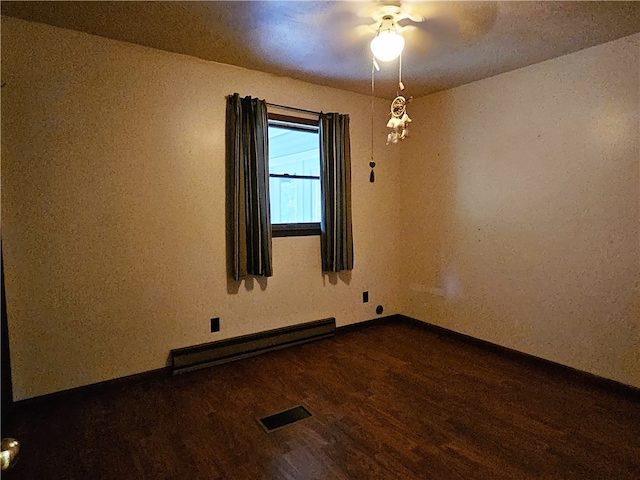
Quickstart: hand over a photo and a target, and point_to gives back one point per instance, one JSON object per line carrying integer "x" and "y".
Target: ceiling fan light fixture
{"x": 387, "y": 45}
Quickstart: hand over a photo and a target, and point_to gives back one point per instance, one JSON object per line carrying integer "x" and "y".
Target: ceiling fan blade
{"x": 455, "y": 20}
{"x": 411, "y": 12}
{"x": 419, "y": 42}
{"x": 442, "y": 29}
{"x": 369, "y": 9}
{"x": 366, "y": 30}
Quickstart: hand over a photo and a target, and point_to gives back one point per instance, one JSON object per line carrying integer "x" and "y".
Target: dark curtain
{"x": 336, "y": 238}
{"x": 249, "y": 219}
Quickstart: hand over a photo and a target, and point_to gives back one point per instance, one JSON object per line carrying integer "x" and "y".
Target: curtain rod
{"x": 293, "y": 108}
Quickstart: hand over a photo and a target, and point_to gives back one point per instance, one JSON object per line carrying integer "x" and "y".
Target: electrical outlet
{"x": 215, "y": 325}
{"x": 365, "y": 297}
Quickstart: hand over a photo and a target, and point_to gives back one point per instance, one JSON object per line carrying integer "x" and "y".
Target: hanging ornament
{"x": 372, "y": 175}
{"x": 399, "y": 121}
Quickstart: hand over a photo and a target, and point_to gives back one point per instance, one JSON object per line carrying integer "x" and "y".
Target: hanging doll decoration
{"x": 399, "y": 121}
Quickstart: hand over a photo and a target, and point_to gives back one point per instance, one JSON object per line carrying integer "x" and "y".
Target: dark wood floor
{"x": 390, "y": 402}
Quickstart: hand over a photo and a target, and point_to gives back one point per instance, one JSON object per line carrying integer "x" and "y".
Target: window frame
{"x": 300, "y": 124}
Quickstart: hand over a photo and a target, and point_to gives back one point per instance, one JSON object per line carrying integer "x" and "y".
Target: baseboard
{"x": 356, "y": 327}
{"x": 94, "y": 388}
{"x": 539, "y": 362}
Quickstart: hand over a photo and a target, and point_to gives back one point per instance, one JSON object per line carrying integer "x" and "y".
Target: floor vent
{"x": 215, "y": 353}
{"x": 279, "y": 420}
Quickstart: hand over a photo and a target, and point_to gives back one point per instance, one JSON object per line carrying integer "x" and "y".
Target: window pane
{"x": 296, "y": 152}
{"x": 294, "y": 200}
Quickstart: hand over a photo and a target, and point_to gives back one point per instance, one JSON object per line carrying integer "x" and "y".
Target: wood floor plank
{"x": 389, "y": 402}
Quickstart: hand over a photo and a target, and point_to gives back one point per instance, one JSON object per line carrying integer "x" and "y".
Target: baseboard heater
{"x": 214, "y": 353}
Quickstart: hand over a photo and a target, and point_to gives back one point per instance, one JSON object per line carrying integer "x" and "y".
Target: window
{"x": 294, "y": 176}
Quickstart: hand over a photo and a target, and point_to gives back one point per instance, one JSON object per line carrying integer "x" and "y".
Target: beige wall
{"x": 521, "y": 210}
{"x": 113, "y": 209}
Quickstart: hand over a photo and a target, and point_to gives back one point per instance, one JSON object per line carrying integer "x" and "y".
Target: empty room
{"x": 320, "y": 240}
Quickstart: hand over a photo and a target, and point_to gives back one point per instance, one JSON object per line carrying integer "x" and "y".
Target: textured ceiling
{"x": 327, "y": 43}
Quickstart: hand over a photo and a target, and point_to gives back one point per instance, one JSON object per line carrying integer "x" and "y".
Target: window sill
{"x": 295, "y": 229}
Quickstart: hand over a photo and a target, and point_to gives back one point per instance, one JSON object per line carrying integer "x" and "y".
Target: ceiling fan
{"x": 389, "y": 42}
{"x": 424, "y": 26}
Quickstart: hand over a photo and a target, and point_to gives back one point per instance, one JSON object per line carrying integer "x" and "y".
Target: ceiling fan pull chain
{"x": 374, "y": 65}
{"x": 400, "y": 84}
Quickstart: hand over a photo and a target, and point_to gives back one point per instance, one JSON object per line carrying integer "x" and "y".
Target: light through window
{"x": 294, "y": 176}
